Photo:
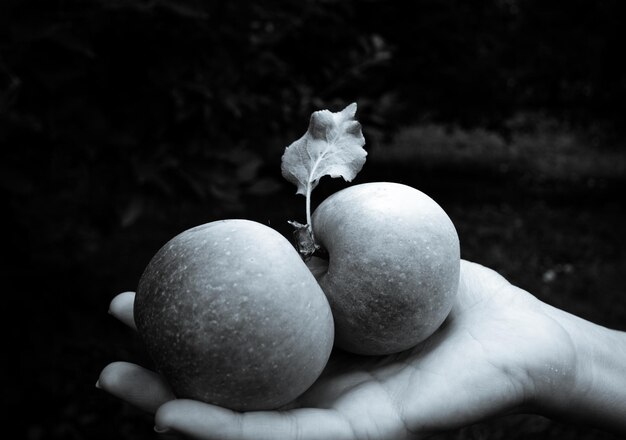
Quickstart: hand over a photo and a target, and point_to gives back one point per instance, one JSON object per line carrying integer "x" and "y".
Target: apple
{"x": 393, "y": 265}
{"x": 231, "y": 316}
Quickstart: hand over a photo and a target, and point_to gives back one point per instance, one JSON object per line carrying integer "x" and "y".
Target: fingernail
{"x": 160, "y": 430}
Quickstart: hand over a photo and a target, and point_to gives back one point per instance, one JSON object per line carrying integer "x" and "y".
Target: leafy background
{"x": 124, "y": 122}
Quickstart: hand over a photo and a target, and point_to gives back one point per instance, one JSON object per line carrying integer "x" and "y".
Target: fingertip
{"x": 121, "y": 307}
{"x": 478, "y": 272}
{"x": 472, "y": 265}
{"x": 174, "y": 412}
{"x": 164, "y": 417}
{"x": 122, "y": 302}
{"x": 196, "y": 419}
{"x": 161, "y": 430}
{"x": 136, "y": 385}
{"x": 111, "y": 377}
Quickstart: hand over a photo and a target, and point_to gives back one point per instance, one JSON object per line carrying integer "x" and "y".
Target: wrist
{"x": 551, "y": 364}
{"x": 589, "y": 384}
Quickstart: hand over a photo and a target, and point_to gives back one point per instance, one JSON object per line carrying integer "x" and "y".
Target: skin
{"x": 231, "y": 315}
{"x": 393, "y": 268}
{"x": 501, "y": 351}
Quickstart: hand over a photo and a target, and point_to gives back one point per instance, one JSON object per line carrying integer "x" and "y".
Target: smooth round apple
{"x": 232, "y": 316}
{"x": 393, "y": 267}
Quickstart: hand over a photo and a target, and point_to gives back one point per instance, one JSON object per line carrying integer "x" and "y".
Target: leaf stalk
{"x": 309, "y": 222}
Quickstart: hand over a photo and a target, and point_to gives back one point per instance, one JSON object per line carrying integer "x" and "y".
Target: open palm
{"x": 480, "y": 363}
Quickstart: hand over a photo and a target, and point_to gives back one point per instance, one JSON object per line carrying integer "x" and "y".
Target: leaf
{"x": 332, "y": 145}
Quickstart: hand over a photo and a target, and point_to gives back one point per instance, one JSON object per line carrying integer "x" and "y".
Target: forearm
{"x": 596, "y": 394}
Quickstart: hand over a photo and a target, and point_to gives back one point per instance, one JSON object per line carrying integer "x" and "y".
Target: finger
{"x": 208, "y": 422}
{"x": 471, "y": 272}
{"x": 478, "y": 283}
{"x": 122, "y": 308}
{"x": 136, "y": 385}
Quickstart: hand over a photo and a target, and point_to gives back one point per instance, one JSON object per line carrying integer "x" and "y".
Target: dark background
{"x": 123, "y": 123}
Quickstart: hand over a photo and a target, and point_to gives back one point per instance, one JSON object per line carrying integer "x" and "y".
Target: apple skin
{"x": 393, "y": 266}
{"x": 231, "y": 316}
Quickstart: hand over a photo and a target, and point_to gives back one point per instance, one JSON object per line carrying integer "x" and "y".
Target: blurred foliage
{"x": 480, "y": 63}
{"x": 110, "y": 108}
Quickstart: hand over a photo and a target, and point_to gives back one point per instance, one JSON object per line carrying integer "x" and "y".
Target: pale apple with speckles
{"x": 231, "y": 315}
{"x": 393, "y": 266}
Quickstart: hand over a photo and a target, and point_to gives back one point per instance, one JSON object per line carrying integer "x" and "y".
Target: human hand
{"x": 495, "y": 351}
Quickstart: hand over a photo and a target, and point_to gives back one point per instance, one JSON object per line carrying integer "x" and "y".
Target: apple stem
{"x": 304, "y": 240}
